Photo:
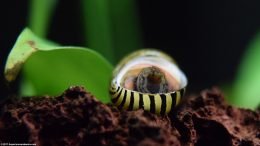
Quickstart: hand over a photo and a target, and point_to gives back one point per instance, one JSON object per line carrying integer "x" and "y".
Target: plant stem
{"x": 111, "y": 27}
{"x": 127, "y": 35}
{"x": 39, "y": 16}
{"x": 98, "y": 27}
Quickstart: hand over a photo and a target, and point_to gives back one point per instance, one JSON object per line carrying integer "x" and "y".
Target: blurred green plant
{"x": 111, "y": 27}
{"x": 245, "y": 91}
{"x": 40, "y": 15}
{"x": 49, "y": 69}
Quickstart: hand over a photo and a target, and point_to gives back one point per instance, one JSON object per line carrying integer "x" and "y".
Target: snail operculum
{"x": 151, "y": 80}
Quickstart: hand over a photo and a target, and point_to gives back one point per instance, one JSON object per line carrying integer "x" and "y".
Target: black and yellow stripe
{"x": 160, "y": 103}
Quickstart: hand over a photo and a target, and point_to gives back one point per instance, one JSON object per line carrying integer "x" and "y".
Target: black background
{"x": 207, "y": 38}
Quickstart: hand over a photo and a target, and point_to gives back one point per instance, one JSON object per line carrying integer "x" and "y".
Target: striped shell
{"x": 147, "y": 79}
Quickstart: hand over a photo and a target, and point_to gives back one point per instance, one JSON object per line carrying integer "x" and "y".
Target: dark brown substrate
{"x": 77, "y": 118}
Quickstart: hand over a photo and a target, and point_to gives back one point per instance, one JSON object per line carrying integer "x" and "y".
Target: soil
{"x": 78, "y": 118}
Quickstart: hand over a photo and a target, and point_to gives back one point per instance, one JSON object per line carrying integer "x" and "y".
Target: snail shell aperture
{"x": 148, "y": 79}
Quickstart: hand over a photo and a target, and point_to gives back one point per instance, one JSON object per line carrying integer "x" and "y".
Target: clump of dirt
{"x": 77, "y": 118}
{"x": 208, "y": 120}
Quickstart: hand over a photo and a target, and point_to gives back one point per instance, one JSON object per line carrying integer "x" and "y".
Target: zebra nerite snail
{"x": 147, "y": 79}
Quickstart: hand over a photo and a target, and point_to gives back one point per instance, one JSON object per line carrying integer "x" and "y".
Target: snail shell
{"x": 147, "y": 79}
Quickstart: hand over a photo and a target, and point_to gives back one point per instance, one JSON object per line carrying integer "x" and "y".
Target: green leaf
{"x": 246, "y": 90}
{"x": 49, "y": 69}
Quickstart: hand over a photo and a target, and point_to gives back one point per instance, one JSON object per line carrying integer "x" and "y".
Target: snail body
{"x": 149, "y": 80}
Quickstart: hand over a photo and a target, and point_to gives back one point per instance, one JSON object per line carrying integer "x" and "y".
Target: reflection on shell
{"x": 147, "y": 79}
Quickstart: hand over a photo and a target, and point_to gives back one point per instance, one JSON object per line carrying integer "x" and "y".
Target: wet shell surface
{"x": 147, "y": 79}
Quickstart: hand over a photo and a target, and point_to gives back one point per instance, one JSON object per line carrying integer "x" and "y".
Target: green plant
{"x": 111, "y": 27}
{"x": 49, "y": 69}
{"x": 245, "y": 90}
